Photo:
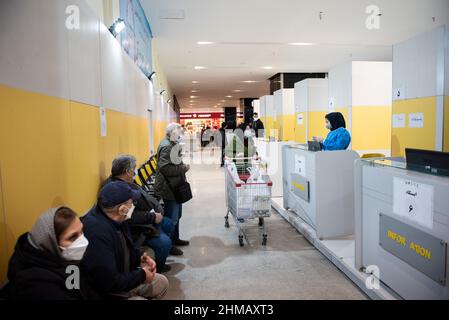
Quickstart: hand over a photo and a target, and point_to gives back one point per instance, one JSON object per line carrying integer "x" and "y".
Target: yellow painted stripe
{"x": 299, "y": 186}
{"x": 371, "y": 127}
{"x": 420, "y": 138}
{"x": 288, "y": 127}
{"x": 446, "y": 124}
{"x": 317, "y": 124}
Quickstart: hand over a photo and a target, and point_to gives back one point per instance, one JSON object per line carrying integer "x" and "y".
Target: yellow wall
{"x": 317, "y": 124}
{"x": 446, "y": 125}
{"x": 420, "y": 138}
{"x": 158, "y": 133}
{"x": 288, "y": 127}
{"x": 270, "y": 125}
{"x": 300, "y": 129}
{"x": 371, "y": 127}
{"x": 278, "y": 127}
{"x": 52, "y": 154}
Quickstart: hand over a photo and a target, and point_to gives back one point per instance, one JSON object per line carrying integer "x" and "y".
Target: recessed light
{"x": 223, "y": 100}
{"x": 237, "y": 90}
{"x": 195, "y": 91}
{"x": 228, "y": 96}
{"x": 195, "y": 81}
{"x": 199, "y": 68}
{"x": 301, "y": 44}
{"x": 204, "y": 42}
{"x": 267, "y": 67}
{"x": 249, "y": 81}
{"x": 193, "y": 97}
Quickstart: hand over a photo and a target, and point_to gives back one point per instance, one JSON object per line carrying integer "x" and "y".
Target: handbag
{"x": 182, "y": 193}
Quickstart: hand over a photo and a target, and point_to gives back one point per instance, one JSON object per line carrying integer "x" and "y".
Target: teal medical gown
{"x": 338, "y": 139}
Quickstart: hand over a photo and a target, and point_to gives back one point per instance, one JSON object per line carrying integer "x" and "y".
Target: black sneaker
{"x": 180, "y": 242}
{"x": 176, "y": 251}
{"x": 165, "y": 268}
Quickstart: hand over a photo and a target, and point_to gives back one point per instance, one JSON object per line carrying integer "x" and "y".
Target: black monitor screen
{"x": 429, "y": 161}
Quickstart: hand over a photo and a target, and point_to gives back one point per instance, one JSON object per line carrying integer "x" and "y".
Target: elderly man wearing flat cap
{"x": 114, "y": 267}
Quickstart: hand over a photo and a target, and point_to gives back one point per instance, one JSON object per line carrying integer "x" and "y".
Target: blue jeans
{"x": 173, "y": 210}
{"x": 162, "y": 244}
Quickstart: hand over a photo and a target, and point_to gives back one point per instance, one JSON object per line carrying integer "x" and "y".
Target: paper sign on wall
{"x": 300, "y": 118}
{"x": 331, "y": 105}
{"x": 399, "y": 120}
{"x": 300, "y": 165}
{"x": 413, "y": 200}
{"x": 103, "y": 125}
{"x": 416, "y": 120}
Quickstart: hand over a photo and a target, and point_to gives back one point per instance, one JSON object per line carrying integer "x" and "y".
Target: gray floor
{"x": 214, "y": 266}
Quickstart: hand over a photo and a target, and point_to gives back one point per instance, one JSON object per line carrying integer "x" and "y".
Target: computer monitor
{"x": 314, "y": 146}
{"x": 435, "y": 162}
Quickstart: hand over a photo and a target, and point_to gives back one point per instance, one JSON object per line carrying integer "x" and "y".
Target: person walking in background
{"x": 223, "y": 142}
{"x": 258, "y": 126}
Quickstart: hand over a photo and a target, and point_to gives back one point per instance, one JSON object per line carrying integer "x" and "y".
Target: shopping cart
{"x": 246, "y": 200}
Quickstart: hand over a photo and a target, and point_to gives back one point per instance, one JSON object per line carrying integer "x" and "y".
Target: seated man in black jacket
{"x": 114, "y": 267}
{"x": 148, "y": 226}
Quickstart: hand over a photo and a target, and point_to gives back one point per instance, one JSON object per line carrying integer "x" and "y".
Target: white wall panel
{"x": 34, "y": 46}
{"x": 84, "y": 57}
{"x": 416, "y": 56}
{"x": 446, "y": 61}
{"x": 301, "y": 95}
{"x": 340, "y": 85}
{"x": 113, "y": 71}
{"x": 371, "y": 83}
{"x": 318, "y": 96}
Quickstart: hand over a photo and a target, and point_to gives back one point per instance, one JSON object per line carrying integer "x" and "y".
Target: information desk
{"x": 402, "y": 227}
{"x": 319, "y": 188}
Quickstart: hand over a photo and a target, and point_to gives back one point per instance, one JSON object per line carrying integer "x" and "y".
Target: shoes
{"x": 176, "y": 251}
{"x": 165, "y": 268}
{"x": 180, "y": 242}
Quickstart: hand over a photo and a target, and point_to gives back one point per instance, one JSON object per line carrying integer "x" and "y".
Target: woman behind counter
{"x": 338, "y": 138}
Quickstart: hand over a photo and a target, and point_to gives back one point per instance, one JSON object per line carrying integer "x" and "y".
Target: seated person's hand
{"x": 147, "y": 262}
{"x": 318, "y": 139}
{"x": 158, "y": 218}
{"x": 149, "y": 275}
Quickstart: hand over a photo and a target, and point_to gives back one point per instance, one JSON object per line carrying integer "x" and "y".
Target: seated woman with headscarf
{"x": 45, "y": 260}
{"x": 338, "y": 138}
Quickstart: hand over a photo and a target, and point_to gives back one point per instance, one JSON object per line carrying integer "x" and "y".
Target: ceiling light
{"x": 193, "y": 97}
{"x": 223, "y": 100}
{"x": 162, "y": 92}
{"x": 199, "y": 68}
{"x": 169, "y": 101}
{"x": 117, "y": 27}
{"x": 301, "y": 44}
{"x": 267, "y": 68}
{"x": 228, "y": 96}
{"x": 237, "y": 90}
{"x": 204, "y": 42}
{"x": 195, "y": 81}
{"x": 249, "y": 81}
{"x": 194, "y": 91}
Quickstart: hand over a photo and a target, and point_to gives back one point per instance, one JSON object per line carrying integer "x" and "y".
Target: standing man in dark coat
{"x": 223, "y": 141}
{"x": 258, "y": 126}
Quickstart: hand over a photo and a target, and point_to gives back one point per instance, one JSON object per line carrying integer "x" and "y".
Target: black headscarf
{"x": 336, "y": 120}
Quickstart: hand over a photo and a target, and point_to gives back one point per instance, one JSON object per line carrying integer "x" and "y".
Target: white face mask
{"x": 248, "y": 134}
{"x": 129, "y": 214}
{"x": 76, "y": 250}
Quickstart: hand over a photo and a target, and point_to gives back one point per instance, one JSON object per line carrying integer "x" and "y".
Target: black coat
{"x": 34, "y": 274}
{"x": 142, "y": 213}
{"x": 258, "y": 126}
{"x": 104, "y": 260}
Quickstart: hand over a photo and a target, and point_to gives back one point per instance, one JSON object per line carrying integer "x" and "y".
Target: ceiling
{"x": 251, "y": 34}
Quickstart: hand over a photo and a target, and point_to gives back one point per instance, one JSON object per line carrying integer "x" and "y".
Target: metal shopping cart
{"x": 246, "y": 200}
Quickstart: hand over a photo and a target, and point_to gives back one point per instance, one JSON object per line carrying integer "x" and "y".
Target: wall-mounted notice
{"x": 413, "y": 200}
{"x": 399, "y": 120}
{"x": 300, "y": 165}
{"x": 300, "y": 118}
{"x": 103, "y": 124}
{"x": 331, "y": 105}
{"x": 416, "y": 120}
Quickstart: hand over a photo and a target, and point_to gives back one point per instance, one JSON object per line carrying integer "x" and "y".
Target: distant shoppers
{"x": 114, "y": 267}
{"x": 45, "y": 258}
{"x": 147, "y": 222}
{"x": 258, "y": 126}
{"x": 338, "y": 138}
{"x": 242, "y": 144}
{"x": 170, "y": 175}
{"x": 223, "y": 142}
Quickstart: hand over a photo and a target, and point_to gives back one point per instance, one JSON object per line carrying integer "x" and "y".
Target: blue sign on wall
{"x": 136, "y": 38}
